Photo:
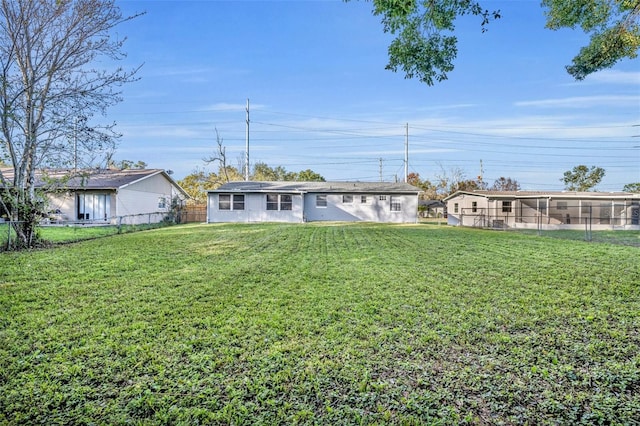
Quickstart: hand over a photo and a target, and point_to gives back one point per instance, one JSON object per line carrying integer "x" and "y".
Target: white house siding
{"x": 373, "y": 210}
{"x": 255, "y": 210}
{"x": 144, "y": 197}
{"x": 65, "y": 205}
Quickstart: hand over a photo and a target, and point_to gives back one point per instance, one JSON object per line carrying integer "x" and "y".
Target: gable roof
{"x": 510, "y": 195}
{"x": 324, "y": 187}
{"x": 104, "y": 179}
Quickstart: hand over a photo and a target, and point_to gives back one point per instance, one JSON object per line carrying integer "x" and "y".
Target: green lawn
{"x": 320, "y": 324}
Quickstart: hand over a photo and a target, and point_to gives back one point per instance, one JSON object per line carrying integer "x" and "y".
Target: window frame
{"x": 321, "y": 201}
{"x": 232, "y": 202}
{"x": 271, "y": 204}
{"x": 507, "y": 206}
{"x": 347, "y": 199}
{"x": 286, "y": 205}
{"x": 364, "y": 199}
{"x": 395, "y": 203}
{"x": 238, "y": 200}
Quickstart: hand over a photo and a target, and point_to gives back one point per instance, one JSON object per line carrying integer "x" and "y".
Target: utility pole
{"x": 406, "y": 154}
{"x": 246, "y": 162}
{"x": 75, "y": 144}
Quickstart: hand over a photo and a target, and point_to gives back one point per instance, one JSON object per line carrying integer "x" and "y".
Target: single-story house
{"x": 431, "y": 208}
{"x": 105, "y": 196}
{"x": 313, "y": 201}
{"x": 544, "y": 210}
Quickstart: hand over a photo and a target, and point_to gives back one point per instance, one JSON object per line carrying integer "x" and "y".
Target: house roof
{"x": 324, "y": 187}
{"x": 546, "y": 194}
{"x": 431, "y": 203}
{"x": 104, "y": 179}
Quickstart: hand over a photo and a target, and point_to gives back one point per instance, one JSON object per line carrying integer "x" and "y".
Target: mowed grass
{"x": 320, "y": 324}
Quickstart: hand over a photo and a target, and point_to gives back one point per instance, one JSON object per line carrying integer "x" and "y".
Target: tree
{"x": 425, "y": 47}
{"x": 505, "y": 184}
{"x": 197, "y": 184}
{"x": 632, "y": 187}
{"x": 49, "y": 90}
{"x": 582, "y": 178}
{"x": 127, "y": 165}
{"x": 262, "y": 172}
{"x": 309, "y": 175}
{"x": 612, "y": 25}
{"x": 429, "y": 190}
{"x": 466, "y": 185}
{"x": 227, "y": 173}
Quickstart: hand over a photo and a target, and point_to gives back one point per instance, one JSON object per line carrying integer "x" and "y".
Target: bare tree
{"x": 220, "y": 158}
{"x": 49, "y": 91}
{"x": 505, "y": 184}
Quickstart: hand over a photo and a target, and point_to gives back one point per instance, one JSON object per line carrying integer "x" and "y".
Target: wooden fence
{"x": 191, "y": 214}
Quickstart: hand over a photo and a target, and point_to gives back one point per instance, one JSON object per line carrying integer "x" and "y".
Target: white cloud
{"x": 615, "y": 77}
{"x": 231, "y": 107}
{"x": 582, "y": 101}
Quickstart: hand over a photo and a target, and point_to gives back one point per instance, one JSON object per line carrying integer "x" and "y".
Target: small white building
{"x": 313, "y": 201}
{"x": 105, "y": 196}
{"x": 544, "y": 210}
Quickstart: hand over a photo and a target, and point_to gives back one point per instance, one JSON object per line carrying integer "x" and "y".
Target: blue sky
{"x": 321, "y": 99}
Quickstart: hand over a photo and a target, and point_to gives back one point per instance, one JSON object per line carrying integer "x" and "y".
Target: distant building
{"x": 313, "y": 201}
{"x": 548, "y": 210}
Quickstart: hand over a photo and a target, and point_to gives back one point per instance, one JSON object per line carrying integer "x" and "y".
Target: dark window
{"x": 383, "y": 198}
{"x": 363, "y": 199}
{"x": 321, "y": 201}
{"x": 272, "y": 201}
{"x": 506, "y": 207}
{"x": 395, "y": 204}
{"x": 238, "y": 202}
{"x": 224, "y": 202}
{"x": 347, "y": 199}
{"x": 286, "y": 202}
{"x": 474, "y": 206}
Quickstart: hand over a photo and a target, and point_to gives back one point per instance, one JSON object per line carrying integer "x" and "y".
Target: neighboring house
{"x": 109, "y": 196}
{"x": 431, "y": 208}
{"x": 544, "y": 210}
{"x": 313, "y": 201}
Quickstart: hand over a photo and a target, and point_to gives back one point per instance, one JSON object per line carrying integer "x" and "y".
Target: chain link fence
{"x": 617, "y": 223}
{"x": 56, "y": 230}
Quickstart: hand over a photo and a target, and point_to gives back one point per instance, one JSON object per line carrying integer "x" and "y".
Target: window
{"x": 238, "y": 202}
{"x": 93, "y": 206}
{"x": 321, "y": 201}
{"x": 224, "y": 202}
{"x": 506, "y": 207}
{"x": 474, "y": 206}
{"x": 363, "y": 199}
{"x": 383, "y": 198}
{"x": 395, "y": 203}
{"x": 272, "y": 201}
{"x": 279, "y": 202}
{"x": 162, "y": 203}
{"x": 286, "y": 202}
{"x": 347, "y": 199}
{"x": 562, "y": 205}
{"x": 586, "y": 207}
{"x": 455, "y": 208}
